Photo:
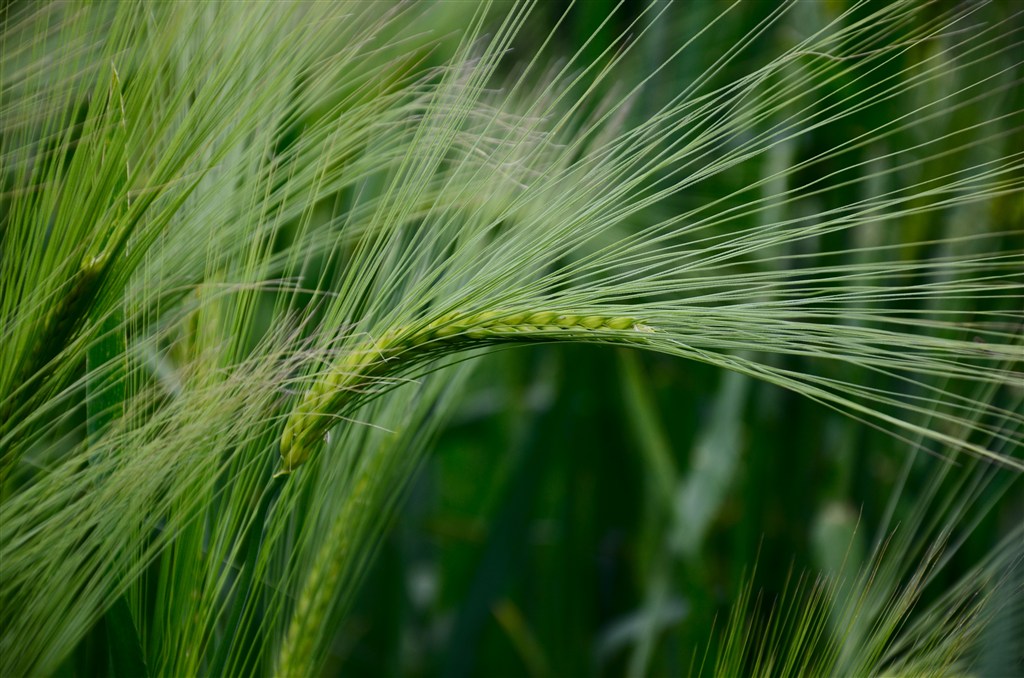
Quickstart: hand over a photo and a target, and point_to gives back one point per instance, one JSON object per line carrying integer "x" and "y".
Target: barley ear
{"x": 398, "y": 349}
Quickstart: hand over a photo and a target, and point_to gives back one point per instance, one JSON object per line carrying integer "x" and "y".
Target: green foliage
{"x": 232, "y": 233}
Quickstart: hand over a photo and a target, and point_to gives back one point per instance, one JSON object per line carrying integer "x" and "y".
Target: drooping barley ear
{"x": 65, "y": 318}
{"x": 313, "y": 601}
{"x": 398, "y": 348}
{"x": 54, "y": 330}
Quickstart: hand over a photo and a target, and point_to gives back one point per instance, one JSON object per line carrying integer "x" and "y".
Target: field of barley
{"x": 539, "y": 338}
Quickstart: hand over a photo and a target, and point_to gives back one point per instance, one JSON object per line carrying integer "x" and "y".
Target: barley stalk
{"x": 357, "y": 369}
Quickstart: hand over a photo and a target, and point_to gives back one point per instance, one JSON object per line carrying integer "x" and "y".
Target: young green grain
{"x": 395, "y": 349}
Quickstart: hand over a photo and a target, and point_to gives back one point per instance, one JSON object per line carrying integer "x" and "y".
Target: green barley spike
{"x": 357, "y": 370}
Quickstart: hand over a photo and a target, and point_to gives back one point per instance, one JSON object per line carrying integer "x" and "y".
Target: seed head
{"x": 400, "y": 347}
